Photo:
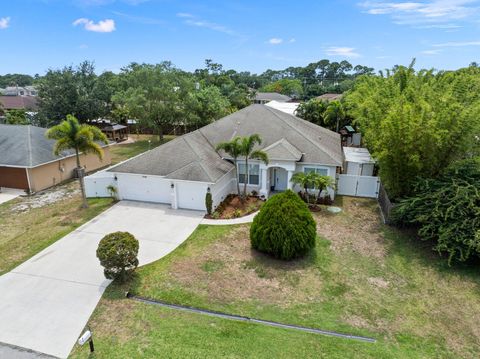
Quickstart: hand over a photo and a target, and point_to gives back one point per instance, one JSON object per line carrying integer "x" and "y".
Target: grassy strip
{"x": 24, "y": 234}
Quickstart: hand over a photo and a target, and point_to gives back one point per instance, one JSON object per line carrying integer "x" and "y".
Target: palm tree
{"x": 304, "y": 180}
{"x": 70, "y": 134}
{"x": 321, "y": 183}
{"x": 334, "y": 113}
{"x": 234, "y": 149}
{"x": 247, "y": 150}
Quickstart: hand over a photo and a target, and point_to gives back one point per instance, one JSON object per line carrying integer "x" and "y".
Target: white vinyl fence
{"x": 358, "y": 186}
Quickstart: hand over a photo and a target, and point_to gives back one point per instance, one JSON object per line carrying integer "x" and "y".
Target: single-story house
{"x": 183, "y": 170}
{"x": 358, "y": 161}
{"x": 27, "y": 103}
{"x": 264, "y": 97}
{"x": 330, "y": 97}
{"x": 27, "y": 161}
{"x": 287, "y": 107}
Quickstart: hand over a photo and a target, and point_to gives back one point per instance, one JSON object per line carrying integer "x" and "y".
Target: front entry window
{"x": 253, "y": 174}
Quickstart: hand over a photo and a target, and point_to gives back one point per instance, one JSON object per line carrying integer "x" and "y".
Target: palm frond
{"x": 260, "y": 155}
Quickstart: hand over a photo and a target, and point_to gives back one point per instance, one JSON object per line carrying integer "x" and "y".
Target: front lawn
{"x": 30, "y": 224}
{"x": 123, "y": 151}
{"x": 363, "y": 278}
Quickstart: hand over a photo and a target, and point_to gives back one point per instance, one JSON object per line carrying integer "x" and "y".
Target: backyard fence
{"x": 386, "y": 205}
{"x": 358, "y": 186}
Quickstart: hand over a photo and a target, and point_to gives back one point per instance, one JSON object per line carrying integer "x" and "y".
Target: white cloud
{"x": 292, "y": 40}
{"x": 4, "y": 22}
{"x": 185, "y": 14}
{"x": 458, "y": 44}
{"x": 424, "y": 12}
{"x": 431, "y": 52}
{"x": 83, "y": 46}
{"x": 210, "y": 26}
{"x": 342, "y": 51}
{"x": 275, "y": 41}
{"x": 107, "y": 25}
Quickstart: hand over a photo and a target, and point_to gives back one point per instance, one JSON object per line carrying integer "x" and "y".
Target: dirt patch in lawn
{"x": 356, "y": 228}
{"x": 230, "y": 270}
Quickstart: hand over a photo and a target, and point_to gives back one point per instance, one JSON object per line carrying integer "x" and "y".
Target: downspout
{"x": 28, "y": 181}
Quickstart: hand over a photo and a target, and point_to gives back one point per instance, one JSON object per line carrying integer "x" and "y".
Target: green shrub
{"x": 117, "y": 253}
{"x": 447, "y": 210}
{"x": 208, "y": 202}
{"x": 284, "y": 227}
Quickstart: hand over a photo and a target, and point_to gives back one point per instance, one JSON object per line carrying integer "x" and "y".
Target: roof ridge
{"x": 29, "y": 146}
{"x": 199, "y": 158}
{"x": 301, "y": 132}
{"x": 287, "y": 147}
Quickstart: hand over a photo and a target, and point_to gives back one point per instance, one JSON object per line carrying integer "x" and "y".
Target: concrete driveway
{"x": 7, "y": 194}
{"x": 47, "y": 300}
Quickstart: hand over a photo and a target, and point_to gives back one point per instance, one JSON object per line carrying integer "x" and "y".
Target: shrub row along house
{"x": 183, "y": 170}
{"x": 27, "y": 161}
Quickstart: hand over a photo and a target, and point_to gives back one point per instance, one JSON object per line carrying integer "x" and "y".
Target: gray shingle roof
{"x": 193, "y": 157}
{"x": 26, "y": 146}
{"x": 283, "y": 150}
{"x": 271, "y": 96}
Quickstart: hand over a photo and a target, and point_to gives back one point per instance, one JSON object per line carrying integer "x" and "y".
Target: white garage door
{"x": 144, "y": 188}
{"x": 191, "y": 195}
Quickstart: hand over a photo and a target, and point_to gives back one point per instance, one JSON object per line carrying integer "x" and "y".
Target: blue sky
{"x": 244, "y": 35}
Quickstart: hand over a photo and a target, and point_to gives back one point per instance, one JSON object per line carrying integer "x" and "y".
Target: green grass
{"x": 363, "y": 278}
{"x": 121, "y": 152}
{"x": 24, "y": 234}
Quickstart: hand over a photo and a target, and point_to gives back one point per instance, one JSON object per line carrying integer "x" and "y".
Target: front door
{"x": 280, "y": 178}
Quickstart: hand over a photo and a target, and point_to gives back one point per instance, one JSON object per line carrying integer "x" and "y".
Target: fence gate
{"x": 358, "y": 186}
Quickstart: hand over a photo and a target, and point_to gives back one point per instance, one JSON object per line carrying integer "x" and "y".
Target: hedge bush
{"x": 284, "y": 227}
{"x": 447, "y": 210}
{"x": 117, "y": 253}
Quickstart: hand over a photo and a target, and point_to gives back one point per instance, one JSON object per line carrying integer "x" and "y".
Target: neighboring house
{"x": 19, "y": 91}
{"x": 330, "y": 97}
{"x": 264, "y": 97}
{"x": 287, "y": 107}
{"x": 183, "y": 170}
{"x": 27, "y": 161}
{"x": 27, "y": 103}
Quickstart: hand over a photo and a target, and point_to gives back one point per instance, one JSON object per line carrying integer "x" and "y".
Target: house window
{"x": 253, "y": 174}
{"x": 320, "y": 171}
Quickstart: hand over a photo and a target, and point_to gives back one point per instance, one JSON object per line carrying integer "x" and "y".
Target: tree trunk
{"x": 245, "y": 181}
{"x": 237, "y": 178}
{"x": 80, "y": 178}
{"x": 160, "y": 134}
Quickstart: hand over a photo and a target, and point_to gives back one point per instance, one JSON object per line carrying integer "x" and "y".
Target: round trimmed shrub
{"x": 117, "y": 253}
{"x": 284, "y": 227}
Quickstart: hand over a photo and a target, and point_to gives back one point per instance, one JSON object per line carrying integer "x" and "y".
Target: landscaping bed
{"x": 234, "y": 207}
{"x": 363, "y": 278}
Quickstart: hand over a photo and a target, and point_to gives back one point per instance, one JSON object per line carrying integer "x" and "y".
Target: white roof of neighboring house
{"x": 287, "y": 107}
{"x": 358, "y": 155}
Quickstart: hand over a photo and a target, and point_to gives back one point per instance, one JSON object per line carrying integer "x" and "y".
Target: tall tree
{"x": 71, "y": 90}
{"x": 416, "y": 123}
{"x": 82, "y": 138}
{"x": 335, "y": 114}
{"x": 155, "y": 94}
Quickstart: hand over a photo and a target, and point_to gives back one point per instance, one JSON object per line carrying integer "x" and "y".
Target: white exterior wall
{"x": 191, "y": 195}
{"x": 223, "y": 188}
{"x": 332, "y": 172}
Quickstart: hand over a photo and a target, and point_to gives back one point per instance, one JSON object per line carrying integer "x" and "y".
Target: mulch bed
{"x": 234, "y": 207}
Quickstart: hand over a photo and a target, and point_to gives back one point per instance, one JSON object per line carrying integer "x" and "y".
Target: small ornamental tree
{"x": 284, "y": 227}
{"x": 117, "y": 253}
{"x": 208, "y": 202}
